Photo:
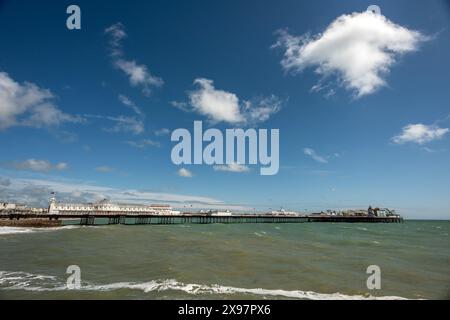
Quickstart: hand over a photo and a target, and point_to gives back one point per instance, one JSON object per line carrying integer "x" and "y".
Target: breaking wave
{"x": 18, "y": 230}
{"x": 14, "y": 230}
{"x": 37, "y": 282}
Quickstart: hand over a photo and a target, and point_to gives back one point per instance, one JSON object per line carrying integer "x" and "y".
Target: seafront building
{"x": 112, "y": 209}
{"x": 7, "y": 206}
{"x": 106, "y": 208}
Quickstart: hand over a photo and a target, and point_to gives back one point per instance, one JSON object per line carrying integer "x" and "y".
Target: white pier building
{"x": 107, "y": 208}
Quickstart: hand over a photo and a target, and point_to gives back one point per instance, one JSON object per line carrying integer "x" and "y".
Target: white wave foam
{"x": 23, "y": 280}
{"x": 18, "y": 230}
{"x": 14, "y": 230}
{"x": 27, "y": 281}
{"x": 198, "y": 289}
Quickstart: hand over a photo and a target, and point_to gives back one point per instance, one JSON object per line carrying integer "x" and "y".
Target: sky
{"x": 361, "y": 101}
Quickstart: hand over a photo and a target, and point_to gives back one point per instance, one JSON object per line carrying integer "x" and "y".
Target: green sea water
{"x": 228, "y": 261}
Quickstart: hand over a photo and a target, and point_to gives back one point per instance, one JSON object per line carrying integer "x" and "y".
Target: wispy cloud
{"x": 233, "y": 167}
{"x": 358, "y": 48}
{"x": 121, "y": 123}
{"x": 310, "y": 152}
{"x": 181, "y": 105}
{"x": 127, "y": 102}
{"x": 143, "y": 143}
{"x": 104, "y": 169}
{"x": 222, "y": 106}
{"x": 138, "y": 74}
{"x": 37, "y": 165}
{"x": 27, "y": 104}
{"x": 430, "y": 150}
{"x": 420, "y": 134}
{"x": 116, "y": 34}
{"x": 161, "y": 132}
{"x": 185, "y": 173}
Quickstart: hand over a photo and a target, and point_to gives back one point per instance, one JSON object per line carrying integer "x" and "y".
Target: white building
{"x": 109, "y": 208}
{"x": 283, "y": 212}
{"x": 7, "y": 206}
{"x": 219, "y": 213}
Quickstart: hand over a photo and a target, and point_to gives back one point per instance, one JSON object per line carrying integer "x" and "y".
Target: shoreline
{"x": 30, "y": 223}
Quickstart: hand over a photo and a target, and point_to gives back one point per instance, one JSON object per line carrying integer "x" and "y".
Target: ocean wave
{"x": 14, "y": 230}
{"x": 33, "y": 282}
{"x": 18, "y": 230}
{"x": 23, "y": 280}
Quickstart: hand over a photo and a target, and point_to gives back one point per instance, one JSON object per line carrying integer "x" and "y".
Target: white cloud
{"x": 420, "y": 134}
{"x": 104, "y": 169}
{"x": 216, "y": 104}
{"x": 138, "y": 74}
{"x": 27, "y": 104}
{"x": 122, "y": 123}
{"x": 127, "y": 124}
{"x": 127, "y": 102}
{"x": 116, "y": 33}
{"x": 219, "y": 105}
{"x": 39, "y": 165}
{"x": 143, "y": 143}
{"x": 310, "y": 152}
{"x": 183, "y": 106}
{"x": 61, "y": 166}
{"x": 161, "y": 132}
{"x": 233, "y": 167}
{"x": 260, "y": 110}
{"x": 358, "y": 48}
{"x": 185, "y": 173}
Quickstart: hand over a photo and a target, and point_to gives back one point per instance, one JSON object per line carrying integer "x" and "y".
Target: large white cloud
{"x": 420, "y": 134}
{"x": 358, "y": 48}
{"x": 219, "y": 105}
{"x": 222, "y": 106}
{"x": 27, "y": 104}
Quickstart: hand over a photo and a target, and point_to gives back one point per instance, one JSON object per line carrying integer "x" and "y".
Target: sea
{"x": 228, "y": 261}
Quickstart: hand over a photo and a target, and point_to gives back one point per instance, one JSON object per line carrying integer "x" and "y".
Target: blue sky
{"x": 88, "y": 113}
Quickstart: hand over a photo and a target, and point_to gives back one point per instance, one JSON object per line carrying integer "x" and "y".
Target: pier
{"x": 143, "y": 219}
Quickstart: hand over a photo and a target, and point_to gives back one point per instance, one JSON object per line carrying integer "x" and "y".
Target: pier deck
{"x": 142, "y": 219}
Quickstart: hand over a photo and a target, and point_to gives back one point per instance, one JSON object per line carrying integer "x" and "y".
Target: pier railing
{"x": 140, "y": 219}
